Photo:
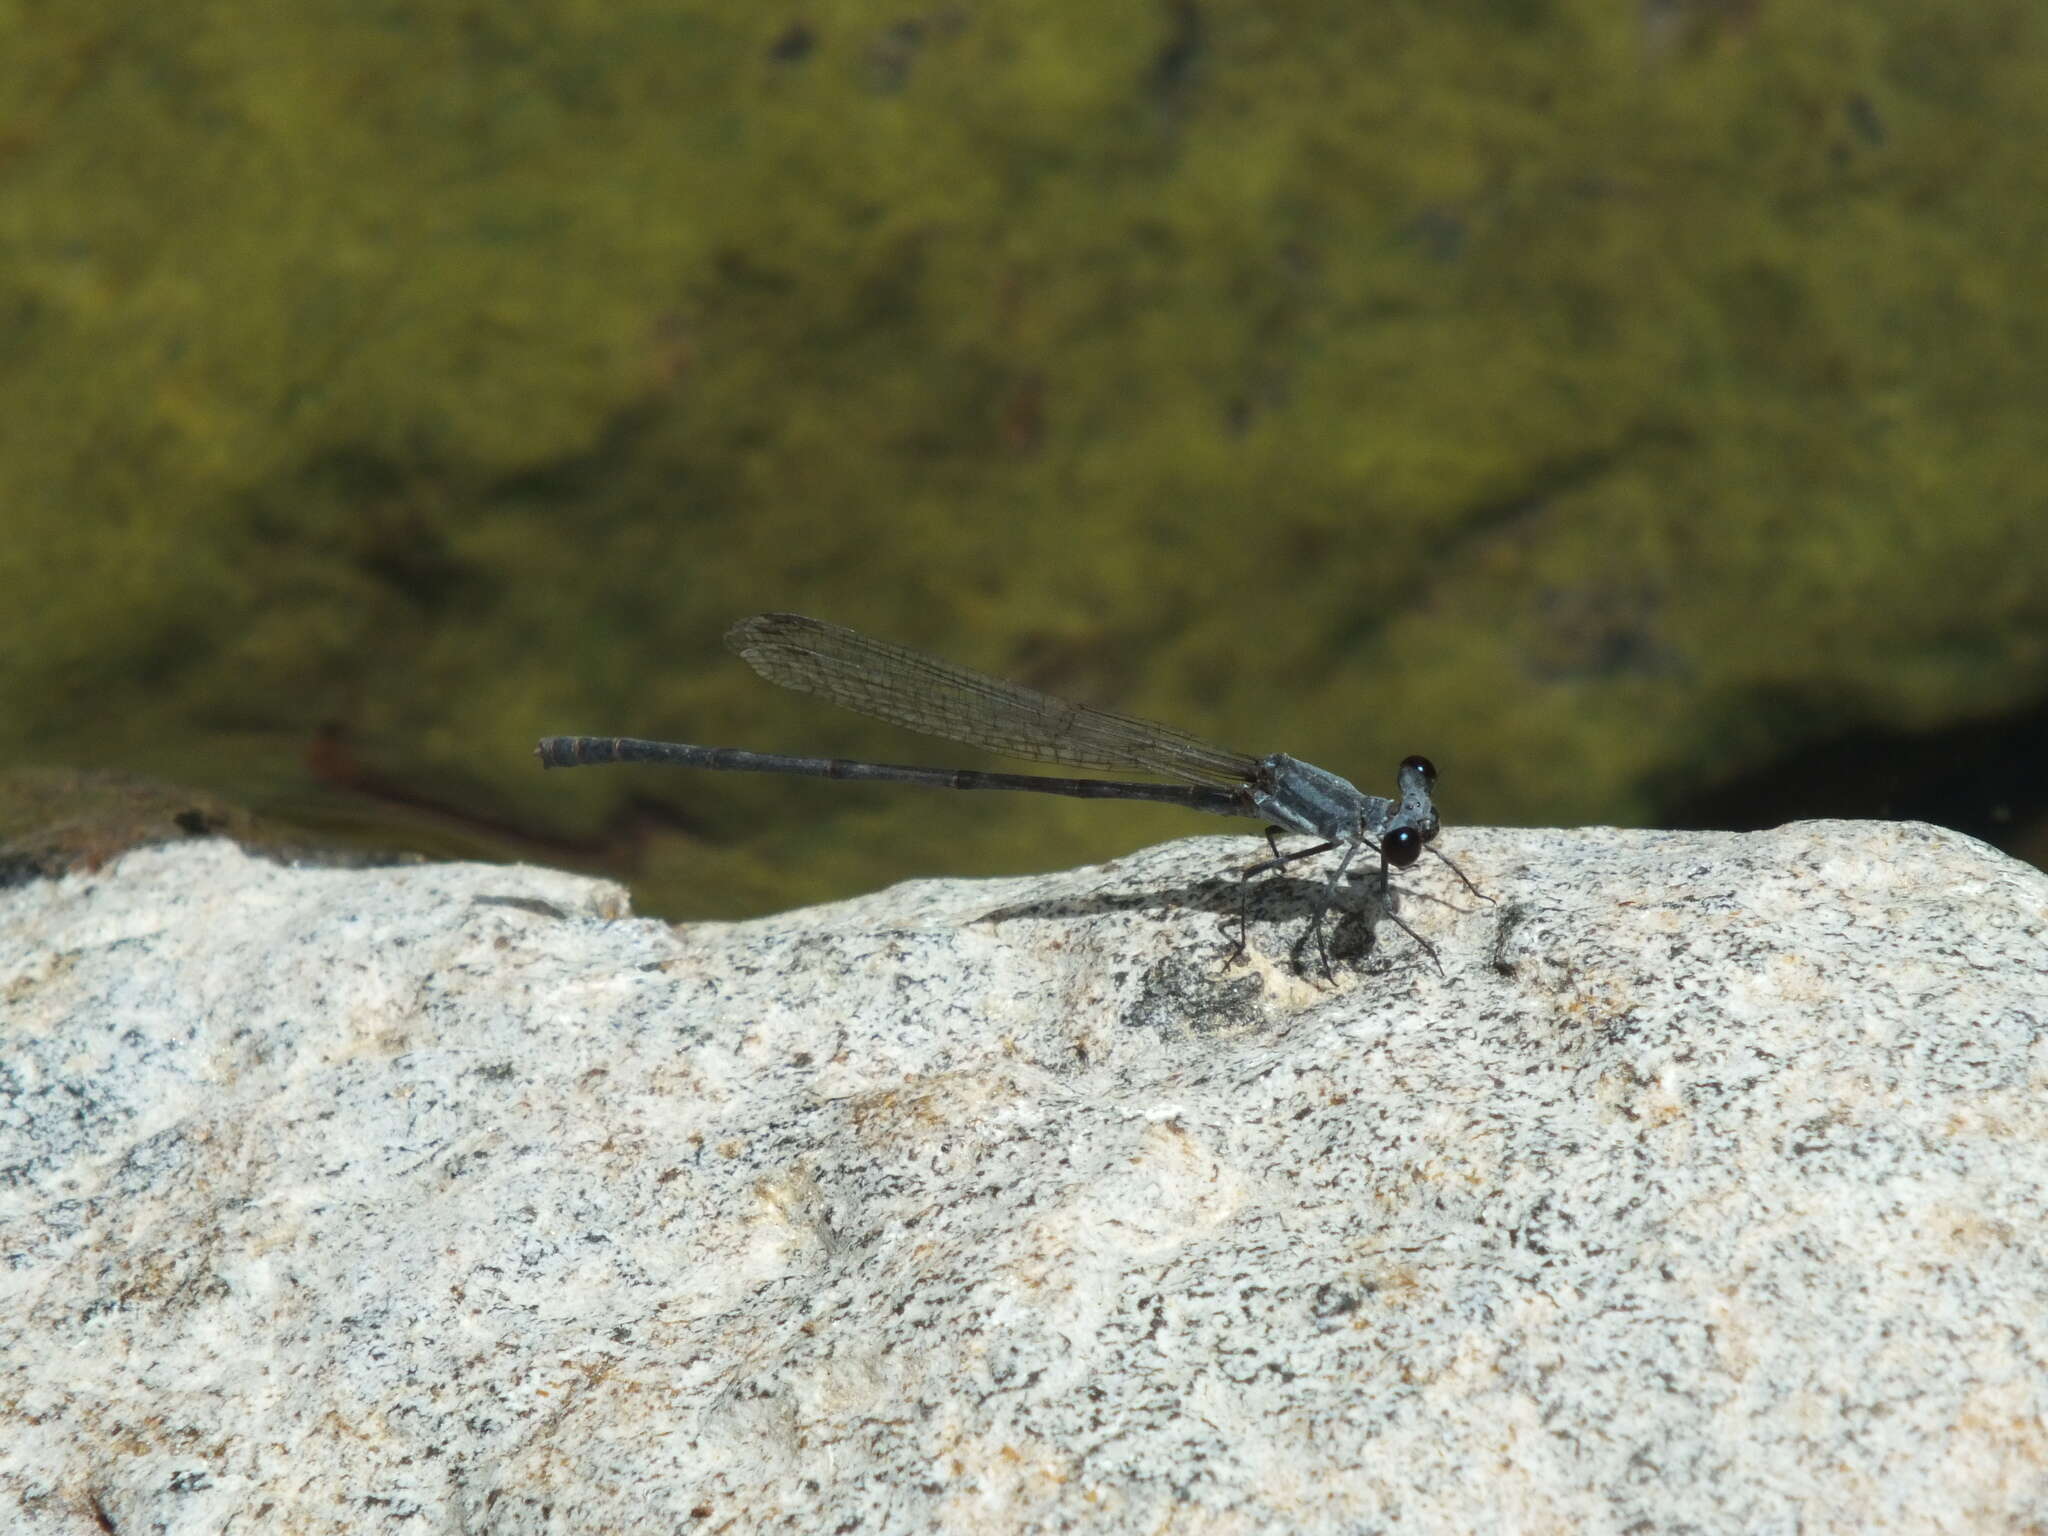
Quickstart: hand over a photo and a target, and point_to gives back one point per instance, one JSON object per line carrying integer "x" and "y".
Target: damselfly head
{"x": 1417, "y": 817}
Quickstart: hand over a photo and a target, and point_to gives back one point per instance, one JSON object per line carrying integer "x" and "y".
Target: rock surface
{"x": 1704, "y": 1188}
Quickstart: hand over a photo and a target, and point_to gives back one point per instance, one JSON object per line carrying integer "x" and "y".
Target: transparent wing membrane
{"x": 940, "y": 698}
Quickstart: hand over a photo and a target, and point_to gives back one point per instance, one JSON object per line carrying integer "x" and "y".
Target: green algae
{"x": 1596, "y": 403}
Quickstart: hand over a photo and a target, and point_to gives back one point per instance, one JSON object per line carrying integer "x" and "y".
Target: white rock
{"x": 1704, "y": 1189}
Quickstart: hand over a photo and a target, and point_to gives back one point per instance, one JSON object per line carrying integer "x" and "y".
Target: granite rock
{"x": 1700, "y": 1187}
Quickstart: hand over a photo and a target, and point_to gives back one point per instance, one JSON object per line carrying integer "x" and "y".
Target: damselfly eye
{"x": 1401, "y": 847}
{"x": 1423, "y": 766}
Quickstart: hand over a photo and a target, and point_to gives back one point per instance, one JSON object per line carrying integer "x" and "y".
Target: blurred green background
{"x": 1636, "y": 407}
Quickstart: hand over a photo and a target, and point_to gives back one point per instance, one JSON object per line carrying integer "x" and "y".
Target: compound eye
{"x": 1401, "y": 847}
{"x": 1423, "y": 766}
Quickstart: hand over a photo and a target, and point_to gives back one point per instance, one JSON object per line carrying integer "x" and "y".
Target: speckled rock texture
{"x": 1703, "y": 1188}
